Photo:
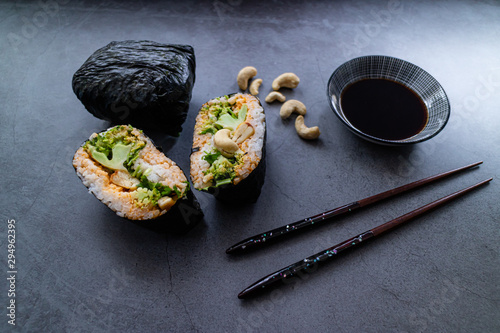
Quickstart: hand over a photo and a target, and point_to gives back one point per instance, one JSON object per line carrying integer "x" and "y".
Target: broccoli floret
{"x": 116, "y": 149}
{"x": 230, "y": 121}
{"x": 119, "y": 156}
{"x": 223, "y": 116}
{"x": 222, "y": 170}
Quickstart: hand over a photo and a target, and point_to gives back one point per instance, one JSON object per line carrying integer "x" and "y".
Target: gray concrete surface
{"x": 80, "y": 268}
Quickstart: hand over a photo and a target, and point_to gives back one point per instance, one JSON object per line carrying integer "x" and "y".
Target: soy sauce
{"x": 384, "y": 109}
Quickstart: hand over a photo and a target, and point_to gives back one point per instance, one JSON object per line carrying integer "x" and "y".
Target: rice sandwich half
{"x": 124, "y": 169}
{"x": 228, "y": 152}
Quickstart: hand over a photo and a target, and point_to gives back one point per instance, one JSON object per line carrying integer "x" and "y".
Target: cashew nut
{"x": 166, "y": 202}
{"x": 124, "y": 179}
{"x": 254, "y": 86}
{"x": 223, "y": 142}
{"x": 275, "y": 95}
{"x": 308, "y": 133}
{"x": 292, "y": 106}
{"x": 244, "y": 75}
{"x": 243, "y": 132}
{"x": 286, "y": 80}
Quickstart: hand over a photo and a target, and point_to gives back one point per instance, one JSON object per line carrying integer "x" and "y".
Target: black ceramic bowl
{"x": 425, "y": 88}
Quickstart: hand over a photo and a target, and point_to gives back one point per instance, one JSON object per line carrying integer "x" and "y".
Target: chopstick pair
{"x": 306, "y": 264}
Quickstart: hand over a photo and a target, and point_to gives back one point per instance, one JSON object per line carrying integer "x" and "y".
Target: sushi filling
{"x": 227, "y": 141}
{"x": 118, "y": 150}
{"x": 221, "y": 169}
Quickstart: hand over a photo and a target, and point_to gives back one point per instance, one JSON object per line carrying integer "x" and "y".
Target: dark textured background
{"x": 81, "y": 268}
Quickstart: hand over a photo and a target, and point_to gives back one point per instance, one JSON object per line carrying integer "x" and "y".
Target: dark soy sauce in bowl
{"x": 384, "y": 109}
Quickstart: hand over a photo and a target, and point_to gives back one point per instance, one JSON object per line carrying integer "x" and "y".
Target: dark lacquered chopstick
{"x": 293, "y": 228}
{"x": 308, "y": 263}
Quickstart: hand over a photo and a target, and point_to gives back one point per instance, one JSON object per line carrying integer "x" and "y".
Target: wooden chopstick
{"x": 319, "y": 219}
{"x": 311, "y": 262}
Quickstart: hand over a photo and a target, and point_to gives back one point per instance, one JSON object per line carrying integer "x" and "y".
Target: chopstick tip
{"x": 261, "y": 286}
{"x": 240, "y": 247}
{"x": 245, "y": 293}
{"x": 473, "y": 165}
{"x": 233, "y": 249}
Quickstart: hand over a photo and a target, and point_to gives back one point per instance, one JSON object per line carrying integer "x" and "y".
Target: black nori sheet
{"x": 248, "y": 190}
{"x": 180, "y": 218}
{"x": 143, "y": 83}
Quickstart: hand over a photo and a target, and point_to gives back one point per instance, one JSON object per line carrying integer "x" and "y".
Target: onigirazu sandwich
{"x": 124, "y": 170}
{"x": 228, "y": 152}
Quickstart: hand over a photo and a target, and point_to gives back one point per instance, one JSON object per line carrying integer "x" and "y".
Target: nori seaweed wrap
{"x": 125, "y": 170}
{"x": 143, "y": 83}
{"x": 228, "y": 152}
